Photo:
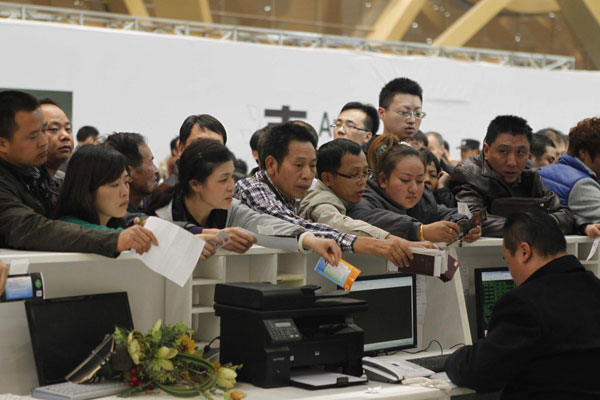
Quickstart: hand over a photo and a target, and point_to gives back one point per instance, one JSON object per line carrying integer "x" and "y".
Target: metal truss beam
{"x": 278, "y": 37}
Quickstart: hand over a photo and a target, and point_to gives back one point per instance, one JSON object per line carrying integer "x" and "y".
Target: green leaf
{"x": 179, "y": 392}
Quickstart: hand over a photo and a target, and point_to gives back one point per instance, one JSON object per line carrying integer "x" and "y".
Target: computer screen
{"x": 390, "y": 322}
{"x": 65, "y": 330}
{"x": 490, "y": 285}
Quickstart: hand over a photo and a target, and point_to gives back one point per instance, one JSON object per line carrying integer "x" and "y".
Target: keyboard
{"x": 434, "y": 363}
{"x": 74, "y": 391}
{"x": 9, "y": 396}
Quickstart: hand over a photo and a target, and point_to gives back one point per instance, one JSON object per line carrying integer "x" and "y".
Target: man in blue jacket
{"x": 575, "y": 177}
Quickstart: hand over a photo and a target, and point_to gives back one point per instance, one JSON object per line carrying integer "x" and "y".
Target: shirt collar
{"x": 291, "y": 204}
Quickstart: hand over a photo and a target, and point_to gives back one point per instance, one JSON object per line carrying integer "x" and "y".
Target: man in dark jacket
{"x": 543, "y": 340}
{"x": 26, "y": 196}
{"x": 501, "y": 171}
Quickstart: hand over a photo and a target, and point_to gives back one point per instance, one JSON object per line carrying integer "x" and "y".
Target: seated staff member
{"x": 26, "y": 199}
{"x": 288, "y": 157}
{"x": 95, "y": 192}
{"x": 343, "y": 173}
{"x": 203, "y": 198}
{"x": 543, "y": 340}
{"x": 397, "y": 201}
{"x": 503, "y": 170}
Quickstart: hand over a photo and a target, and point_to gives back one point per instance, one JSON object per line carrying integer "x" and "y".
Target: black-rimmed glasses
{"x": 358, "y": 177}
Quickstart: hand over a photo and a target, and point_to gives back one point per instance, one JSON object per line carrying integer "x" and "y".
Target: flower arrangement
{"x": 166, "y": 358}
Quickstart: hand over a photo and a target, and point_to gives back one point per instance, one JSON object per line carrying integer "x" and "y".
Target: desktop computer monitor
{"x": 390, "y": 322}
{"x": 65, "y": 330}
{"x": 490, "y": 284}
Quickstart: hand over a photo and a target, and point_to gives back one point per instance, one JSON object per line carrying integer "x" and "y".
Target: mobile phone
{"x": 466, "y": 225}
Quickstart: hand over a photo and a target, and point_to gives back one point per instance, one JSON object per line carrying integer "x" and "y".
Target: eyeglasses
{"x": 347, "y": 127}
{"x": 407, "y": 114}
{"x": 358, "y": 177}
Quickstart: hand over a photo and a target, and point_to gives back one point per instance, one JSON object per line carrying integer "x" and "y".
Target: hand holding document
{"x": 344, "y": 274}
{"x": 177, "y": 254}
{"x": 433, "y": 262}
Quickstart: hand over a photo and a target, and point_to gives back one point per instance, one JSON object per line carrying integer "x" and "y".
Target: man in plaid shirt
{"x": 288, "y": 158}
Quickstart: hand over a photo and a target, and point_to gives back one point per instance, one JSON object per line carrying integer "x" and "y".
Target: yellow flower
{"x": 237, "y": 395}
{"x": 133, "y": 347}
{"x": 163, "y": 357}
{"x": 226, "y": 377}
{"x": 187, "y": 344}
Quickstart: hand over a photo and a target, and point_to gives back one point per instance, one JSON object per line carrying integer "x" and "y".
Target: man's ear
{"x": 180, "y": 148}
{"x": 486, "y": 150}
{"x": 525, "y": 252}
{"x": 368, "y": 136}
{"x": 327, "y": 178}
{"x": 4, "y": 147}
{"x": 532, "y": 157}
{"x": 271, "y": 165}
{"x": 380, "y": 112}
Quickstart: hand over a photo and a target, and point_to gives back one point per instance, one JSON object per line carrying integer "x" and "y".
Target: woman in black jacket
{"x": 396, "y": 198}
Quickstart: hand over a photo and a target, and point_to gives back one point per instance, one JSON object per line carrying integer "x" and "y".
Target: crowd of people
{"x": 361, "y": 192}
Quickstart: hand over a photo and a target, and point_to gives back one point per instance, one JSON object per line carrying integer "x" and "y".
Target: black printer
{"x": 272, "y": 329}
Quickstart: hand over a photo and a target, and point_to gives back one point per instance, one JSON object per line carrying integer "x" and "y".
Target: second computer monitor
{"x": 490, "y": 285}
{"x": 390, "y": 322}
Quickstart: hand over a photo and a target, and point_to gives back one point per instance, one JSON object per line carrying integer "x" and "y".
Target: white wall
{"x": 148, "y": 83}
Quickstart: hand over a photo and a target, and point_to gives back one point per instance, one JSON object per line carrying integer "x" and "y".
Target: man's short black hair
{"x": 399, "y": 86}
{"x": 420, "y": 137}
{"x": 204, "y": 121}
{"x": 537, "y": 228}
{"x": 11, "y": 102}
{"x": 173, "y": 143}
{"x": 276, "y": 141}
{"x": 87, "y": 131}
{"x": 128, "y": 144}
{"x": 48, "y": 100}
{"x": 538, "y": 145}
{"x": 329, "y": 156}
{"x": 372, "y": 118}
{"x": 255, "y": 139}
{"x": 507, "y": 124}
{"x": 428, "y": 157}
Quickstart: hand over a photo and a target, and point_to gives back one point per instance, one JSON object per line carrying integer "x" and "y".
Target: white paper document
{"x": 177, "y": 253}
{"x": 275, "y": 242}
{"x": 594, "y": 248}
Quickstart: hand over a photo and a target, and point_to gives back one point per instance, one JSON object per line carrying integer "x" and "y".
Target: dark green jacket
{"x": 25, "y": 206}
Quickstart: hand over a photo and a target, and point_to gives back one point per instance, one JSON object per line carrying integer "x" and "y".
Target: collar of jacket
{"x": 564, "y": 264}
{"x": 264, "y": 177}
{"x": 576, "y": 163}
{"x": 381, "y": 193}
{"x": 319, "y": 185}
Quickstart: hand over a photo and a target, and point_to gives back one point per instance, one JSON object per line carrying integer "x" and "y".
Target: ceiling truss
{"x": 280, "y": 37}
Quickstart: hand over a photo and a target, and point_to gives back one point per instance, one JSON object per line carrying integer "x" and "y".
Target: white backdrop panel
{"x": 148, "y": 83}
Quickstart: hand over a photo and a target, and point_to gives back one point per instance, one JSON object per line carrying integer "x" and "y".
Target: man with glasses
{"x": 357, "y": 122}
{"x": 342, "y": 173}
{"x": 400, "y": 103}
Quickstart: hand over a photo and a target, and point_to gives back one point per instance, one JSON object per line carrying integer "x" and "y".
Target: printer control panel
{"x": 282, "y": 330}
